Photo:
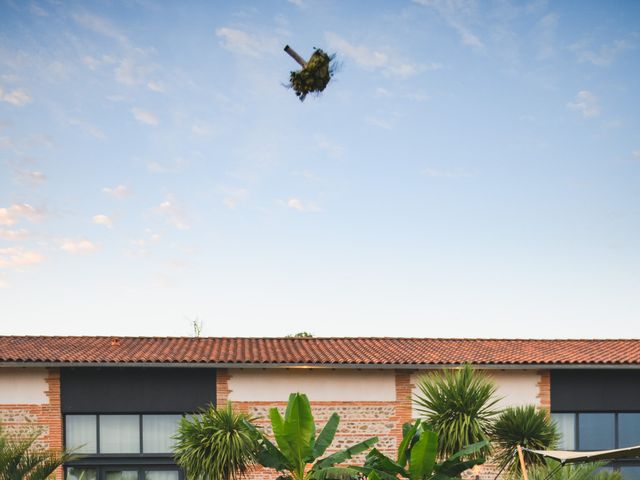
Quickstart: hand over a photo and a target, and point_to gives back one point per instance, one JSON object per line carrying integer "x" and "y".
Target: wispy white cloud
{"x": 298, "y": 3}
{"x": 174, "y": 166}
{"x": 20, "y": 211}
{"x": 586, "y": 103}
{"x": 88, "y": 128}
{"x": 232, "y": 196}
{"x": 332, "y": 149}
{"x": 295, "y": 203}
{"x": 16, "y": 257}
{"x": 103, "y": 220}
{"x": 17, "y": 98}
{"x": 457, "y": 14}
{"x": 203, "y": 129}
{"x": 37, "y": 10}
{"x": 145, "y": 117}
{"x": 157, "y": 87}
{"x": 603, "y": 56}
{"x": 29, "y": 177}
{"x": 14, "y": 235}
{"x": 636, "y": 154}
{"x": 380, "y": 59}
{"x": 79, "y": 246}
{"x": 120, "y": 191}
{"x": 100, "y": 26}
{"x": 378, "y": 122}
{"x": 173, "y": 213}
{"x": 244, "y": 43}
{"x": 440, "y": 173}
{"x": 546, "y": 31}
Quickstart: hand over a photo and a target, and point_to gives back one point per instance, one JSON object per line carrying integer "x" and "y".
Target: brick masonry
{"x": 19, "y": 420}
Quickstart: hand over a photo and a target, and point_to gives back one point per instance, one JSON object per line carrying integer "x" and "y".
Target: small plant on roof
{"x": 315, "y": 74}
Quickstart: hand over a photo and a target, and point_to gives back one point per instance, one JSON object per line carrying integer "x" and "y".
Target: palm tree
{"x": 459, "y": 405}
{"x": 22, "y": 459}
{"x": 217, "y": 444}
{"x": 525, "y": 426}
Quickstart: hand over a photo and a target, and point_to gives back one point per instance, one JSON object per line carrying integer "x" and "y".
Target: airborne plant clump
{"x": 315, "y": 74}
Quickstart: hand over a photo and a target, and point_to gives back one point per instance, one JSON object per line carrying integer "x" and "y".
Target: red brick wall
{"x": 20, "y": 420}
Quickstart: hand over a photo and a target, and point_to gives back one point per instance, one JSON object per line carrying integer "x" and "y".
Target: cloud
{"x": 636, "y": 154}
{"x": 104, "y": 220}
{"x": 378, "y": 122}
{"x": 297, "y": 3}
{"x": 603, "y": 56}
{"x": 120, "y": 191}
{"x": 100, "y": 26}
{"x": 331, "y": 148}
{"x": 81, "y": 246}
{"x": 31, "y": 178}
{"x": 130, "y": 72}
{"x": 370, "y": 59}
{"x": 233, "y": 196}
{"x": 203, "y": 129}
{"x": 19, "y": 211}
{"x": 4, "y": 283}
{"x": 156, "y": 87}
{"x": 438, "y": 173}
{"x": 145, "y": 117}
{"x": 17, "y": 98}
{"x": 457, "y": 14}
{"x": 14, "y": 235}
{"x": 37, "y": 10}
{"x": 175, "y": 166}
{"x": 586, "y": 103}
{"x": 14, "y": 257}
{"x": 88, "y": 128}
{"x": 173, "y": 213}
{"x": 243, "y": 43}
{"x": 297, "y": 204}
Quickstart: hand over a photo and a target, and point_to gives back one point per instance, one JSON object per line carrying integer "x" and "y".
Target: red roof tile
{"x": 317, "y": 351}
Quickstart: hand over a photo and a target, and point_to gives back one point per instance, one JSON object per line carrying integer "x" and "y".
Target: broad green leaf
{"x": 408, "y": 432}
{"x": 340, "y": 457}
{"x": 299, "y": 427}
{"x": 278, "y": 426}
{"x": 326, "y": 436}
{"x": 469, "y": 450}
{"x": 456, "y": 467}
{"x": 378, "y": 461}
{"x": 423, "y": 455}
{"x": 334, "y": 473}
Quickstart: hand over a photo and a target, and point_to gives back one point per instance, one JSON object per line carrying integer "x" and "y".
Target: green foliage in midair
{"x": 315, "y": 75}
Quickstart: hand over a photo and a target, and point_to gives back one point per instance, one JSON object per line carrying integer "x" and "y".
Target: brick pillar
{"x": 222, "y": 387}
{"x": 544, "y": 390}
{"x": 403, "y": 410}
{"x": 52, "y": 415}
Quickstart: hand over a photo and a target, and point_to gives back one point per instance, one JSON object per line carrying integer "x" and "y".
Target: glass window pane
{"x": 122, "y": 475}
{"x": 628, "y": 429}
{"x": 596, "y": 431}
{"x": 80, "y": 433}
{"x": 74, "y": 473}
{"x": 157, "y": 431}
{"x": 631, "y": 472}
{"x": 161, "y": 475}
{"x": 566, "y": 423}
{"x": 119, "y": 434}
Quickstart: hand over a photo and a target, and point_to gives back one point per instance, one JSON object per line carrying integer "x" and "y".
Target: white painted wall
{"x": 516, "y": 387}
{"x": 24, "y": 386}
{"x": 275, "y": 384}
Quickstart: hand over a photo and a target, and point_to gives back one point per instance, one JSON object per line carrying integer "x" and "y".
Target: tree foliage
{"x": 459, "y": 405}
{"x": 217, "y": 444}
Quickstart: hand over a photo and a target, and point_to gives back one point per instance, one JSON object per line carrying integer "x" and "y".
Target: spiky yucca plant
{"x": 23, "y": 459}
{"x": 215, "y": 445}
{"x": 459, "y": 405}
{"x": 525, "y": 426}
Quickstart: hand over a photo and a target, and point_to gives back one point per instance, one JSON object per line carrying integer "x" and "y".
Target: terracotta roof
{"x": 317, "y": 351}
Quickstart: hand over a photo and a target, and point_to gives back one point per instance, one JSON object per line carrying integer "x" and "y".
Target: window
{"x": 81, "y": 433}
{"x": 122, "y": 475}
{"x": 157, "y": 431}
{"x": 566, "y": 423}
{"x": 74, "y": 473}
{"x": 628, "y": 430}
{"x": 119, "y": 434}
{"x": 161, "y": 475}
{"x": 630, "y": 472}
{"x": 596, "y": 431}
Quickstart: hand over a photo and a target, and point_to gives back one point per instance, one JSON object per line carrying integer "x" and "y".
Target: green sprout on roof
{"x": 315, "y": 74}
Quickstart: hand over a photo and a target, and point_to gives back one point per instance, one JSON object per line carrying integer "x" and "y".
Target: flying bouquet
{"x": 315, "y": 74}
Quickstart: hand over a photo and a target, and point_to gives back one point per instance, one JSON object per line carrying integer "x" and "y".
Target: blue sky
{"x": 473, "y": 169}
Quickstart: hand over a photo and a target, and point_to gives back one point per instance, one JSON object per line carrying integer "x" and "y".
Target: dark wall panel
{"x": 136, "y": 389}
{"x": 595, "y": 390}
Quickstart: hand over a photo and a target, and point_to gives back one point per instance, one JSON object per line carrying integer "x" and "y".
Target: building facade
{"x": 117, "y": 401}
